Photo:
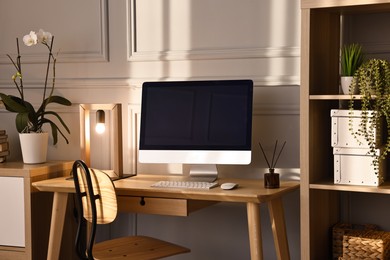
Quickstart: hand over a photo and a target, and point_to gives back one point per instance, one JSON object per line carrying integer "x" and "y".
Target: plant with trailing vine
{"x": 373, "y": 82}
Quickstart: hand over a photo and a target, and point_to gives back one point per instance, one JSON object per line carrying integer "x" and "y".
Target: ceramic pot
{"x": 34, "y": 147}
{"x": 345, "y": 82}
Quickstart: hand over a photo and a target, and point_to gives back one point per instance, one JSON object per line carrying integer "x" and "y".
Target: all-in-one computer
{"x": 202, "y": 123}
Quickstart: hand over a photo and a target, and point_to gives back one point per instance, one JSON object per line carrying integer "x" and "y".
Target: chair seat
{"x": 136, "y": 247}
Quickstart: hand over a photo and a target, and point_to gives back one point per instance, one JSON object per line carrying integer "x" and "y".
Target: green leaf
{"x": 59, "y": 100}
{"x": 54, "y": 99}
{"x": 55, "y": 130}
{"x": 22, "y": 121}
{"x": 13, "y": 104}
{"x": 59, "y": 119}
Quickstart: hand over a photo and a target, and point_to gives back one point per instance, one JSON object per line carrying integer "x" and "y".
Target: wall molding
{"x": 259, "y": 81}
{"x": 213, "y": 54}
{"x": 173, "y": 55}
{"x": 64, "y": 56}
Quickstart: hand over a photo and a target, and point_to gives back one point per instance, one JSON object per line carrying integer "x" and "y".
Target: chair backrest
{"x": 96, "y": 203}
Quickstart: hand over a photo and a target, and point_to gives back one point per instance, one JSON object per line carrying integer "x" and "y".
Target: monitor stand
{"x": 203, "y": 172}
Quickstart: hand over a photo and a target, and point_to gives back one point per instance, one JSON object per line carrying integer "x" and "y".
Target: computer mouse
{"x": 228, "y": 185}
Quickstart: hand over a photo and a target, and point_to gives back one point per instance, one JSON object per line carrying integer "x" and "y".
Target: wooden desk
{"x": 146, "y": 199}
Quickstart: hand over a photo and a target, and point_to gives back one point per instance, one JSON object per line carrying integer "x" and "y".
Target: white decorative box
{"x": 354, "y": 166}
{"x": 352, "y": 163}
{"x": 341, "y": 133}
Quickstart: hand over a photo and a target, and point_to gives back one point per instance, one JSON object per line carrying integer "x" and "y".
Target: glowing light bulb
{"x": 100, "y": 122}
{"x": 100, "y": 128}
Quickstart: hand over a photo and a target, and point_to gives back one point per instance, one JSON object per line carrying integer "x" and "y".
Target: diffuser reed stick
{"x": 273, "y": 163}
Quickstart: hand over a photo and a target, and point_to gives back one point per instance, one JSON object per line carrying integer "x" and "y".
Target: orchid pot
{"x": 34, "y": 147}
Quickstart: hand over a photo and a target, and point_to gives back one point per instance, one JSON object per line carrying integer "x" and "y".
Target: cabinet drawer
{"x": 160, "y": 206}
{"x": 12, "y": 217}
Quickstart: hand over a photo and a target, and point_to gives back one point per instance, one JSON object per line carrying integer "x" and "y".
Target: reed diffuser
{"x": 271, "y": 179}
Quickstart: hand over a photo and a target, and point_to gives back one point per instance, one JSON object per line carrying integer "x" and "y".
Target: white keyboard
{"x": 185, "y": 184}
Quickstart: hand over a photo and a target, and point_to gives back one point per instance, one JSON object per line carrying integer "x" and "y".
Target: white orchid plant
{"x": 29, "y": 120}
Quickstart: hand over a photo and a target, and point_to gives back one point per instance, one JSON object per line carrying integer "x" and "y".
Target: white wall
{"x": 108, "y": 48}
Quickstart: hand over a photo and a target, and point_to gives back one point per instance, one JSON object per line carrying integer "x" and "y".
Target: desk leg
{"x": 276, "y": 211}
{"x": 254, "y": 230}
{"x": 57, "y": 225}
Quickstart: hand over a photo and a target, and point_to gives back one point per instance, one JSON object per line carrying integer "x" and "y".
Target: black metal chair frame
{"x": 83, "y": 247}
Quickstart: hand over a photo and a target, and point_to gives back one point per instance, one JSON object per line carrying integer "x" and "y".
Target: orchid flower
{"x": 30, "y": 39}
{"x": 44, "y": 37}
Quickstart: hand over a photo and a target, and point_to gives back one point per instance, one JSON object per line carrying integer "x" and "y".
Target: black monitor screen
{"x": 196, "y": 115}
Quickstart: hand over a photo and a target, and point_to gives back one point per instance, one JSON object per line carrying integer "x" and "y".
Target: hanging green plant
{"x": 373, "y": 82}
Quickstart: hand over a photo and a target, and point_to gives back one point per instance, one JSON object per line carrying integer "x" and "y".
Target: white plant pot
{"x": 34, "y": 147}
{"x": 345, "y": 83}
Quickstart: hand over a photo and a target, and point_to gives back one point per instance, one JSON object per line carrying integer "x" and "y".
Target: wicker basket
{"x": 338, "y": 232}
{"x": 371, "y": 244}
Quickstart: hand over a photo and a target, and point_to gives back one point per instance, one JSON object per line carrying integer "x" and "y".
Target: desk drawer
{"x": 160, "y": 206}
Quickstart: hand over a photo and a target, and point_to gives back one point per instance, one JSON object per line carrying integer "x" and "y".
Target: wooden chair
{"x": 96, "y": 203}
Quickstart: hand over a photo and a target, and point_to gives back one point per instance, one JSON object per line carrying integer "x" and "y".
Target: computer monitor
{"x": 201, "y": 123}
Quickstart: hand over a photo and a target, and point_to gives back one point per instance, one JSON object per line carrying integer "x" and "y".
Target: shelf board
{"x": 329, "y": 185}
{"x": 347, "y": 5}
{"x": 334, "y": 97}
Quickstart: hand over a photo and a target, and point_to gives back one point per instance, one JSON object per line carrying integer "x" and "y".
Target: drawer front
{"x": 12, "y": 217}
{"x": 146, "y": 205}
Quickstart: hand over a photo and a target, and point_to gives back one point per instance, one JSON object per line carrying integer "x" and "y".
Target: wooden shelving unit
{"x": 320, "y": 41}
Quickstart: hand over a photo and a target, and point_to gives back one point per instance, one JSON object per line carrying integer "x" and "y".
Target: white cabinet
{"x": 25, "y": 213}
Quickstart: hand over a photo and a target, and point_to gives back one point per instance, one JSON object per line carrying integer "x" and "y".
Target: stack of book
{"x": 4, "y": 149}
